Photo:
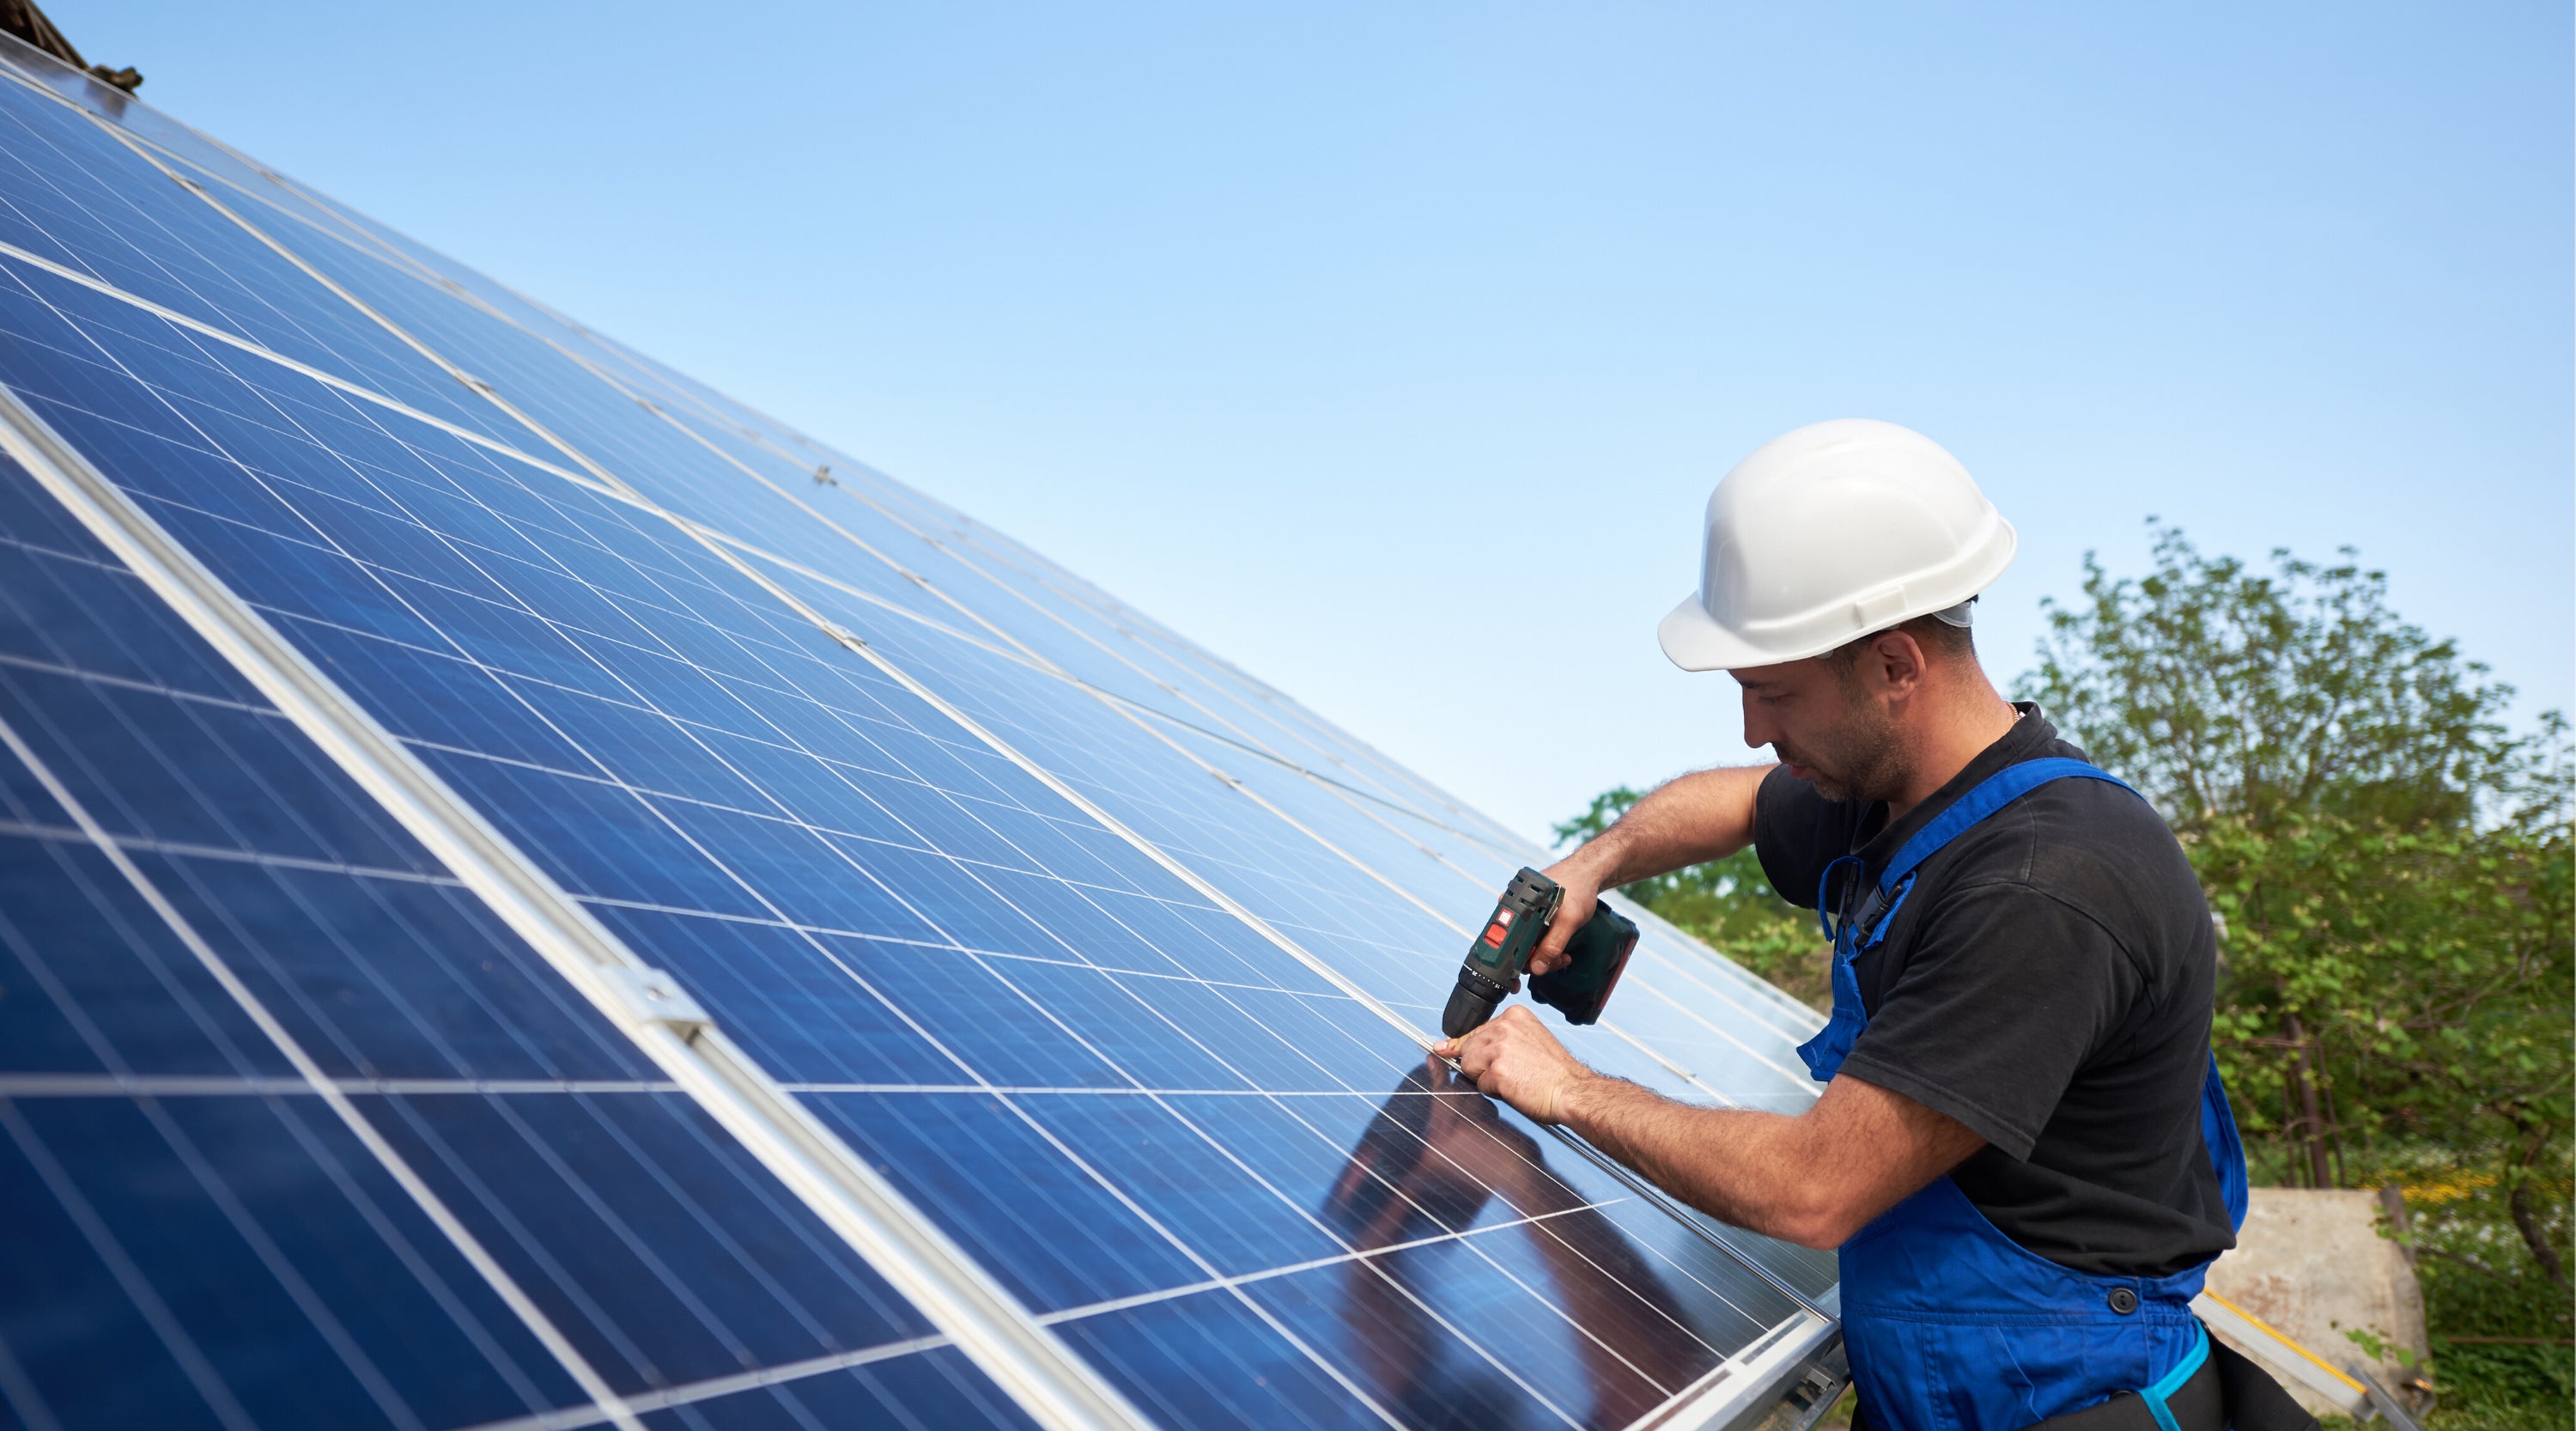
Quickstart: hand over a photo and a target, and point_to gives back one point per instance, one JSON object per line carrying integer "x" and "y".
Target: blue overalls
{"x": 1951, "y": 1325}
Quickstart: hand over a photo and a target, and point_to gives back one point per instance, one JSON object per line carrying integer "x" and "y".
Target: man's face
{"x": 1823, "y": 722}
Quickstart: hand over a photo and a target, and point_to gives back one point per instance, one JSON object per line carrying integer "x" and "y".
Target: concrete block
{"x": 2315, "y": 1266}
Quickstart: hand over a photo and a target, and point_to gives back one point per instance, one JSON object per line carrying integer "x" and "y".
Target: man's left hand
{"x": 1514, "y": 1058}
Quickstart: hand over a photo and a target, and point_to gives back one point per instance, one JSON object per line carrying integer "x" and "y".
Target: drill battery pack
{"x": 1595, "y": 958}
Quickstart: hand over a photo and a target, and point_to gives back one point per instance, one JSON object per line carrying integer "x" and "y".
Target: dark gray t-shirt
{"x": 2048, "y": 983}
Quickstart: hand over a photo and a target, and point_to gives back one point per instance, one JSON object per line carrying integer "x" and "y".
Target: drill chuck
{"x": 1471, "y": 1003}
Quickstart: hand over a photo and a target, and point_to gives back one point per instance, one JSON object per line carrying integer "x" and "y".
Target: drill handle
{"x": 1594, "y": 959}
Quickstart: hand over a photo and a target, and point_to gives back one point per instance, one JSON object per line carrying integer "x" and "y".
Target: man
{"x": 2021, "y": 1148}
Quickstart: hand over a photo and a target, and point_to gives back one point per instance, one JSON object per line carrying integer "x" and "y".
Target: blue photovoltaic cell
{"x": 1217, "y": 1167}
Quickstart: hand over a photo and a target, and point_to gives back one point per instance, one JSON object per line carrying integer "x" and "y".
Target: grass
{"x": 2490, "y": 1386}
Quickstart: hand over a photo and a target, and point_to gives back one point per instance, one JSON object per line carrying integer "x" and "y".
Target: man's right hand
{"x": 1581, "y": 880}
{"x": 1700, "y": 816}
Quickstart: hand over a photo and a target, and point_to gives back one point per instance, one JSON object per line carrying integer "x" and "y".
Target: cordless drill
{"x": 1595, "y": 957}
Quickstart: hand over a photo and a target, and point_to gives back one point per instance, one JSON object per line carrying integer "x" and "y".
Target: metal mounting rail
{"x": 1743, "y": 1390}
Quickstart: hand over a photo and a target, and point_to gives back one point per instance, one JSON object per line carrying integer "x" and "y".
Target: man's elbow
{"x": 1823, "y": 1220}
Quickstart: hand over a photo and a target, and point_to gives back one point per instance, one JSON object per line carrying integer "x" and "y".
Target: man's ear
{"x": 1896, "y": 664}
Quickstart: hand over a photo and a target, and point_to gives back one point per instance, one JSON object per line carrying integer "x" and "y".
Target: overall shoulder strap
{"x": 1989, "y": 795}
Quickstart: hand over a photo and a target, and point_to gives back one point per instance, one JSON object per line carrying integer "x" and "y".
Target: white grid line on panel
{"x": 393, "y": 1239}
{"x": 1052, "y": 781}
{"x": 697, "y": 1391}
{"x": 189, "y": 1085}
{"x": 1019, "y": 652}
{"x": 146, "y": 845}
{"x": 18, "y": 1392}
{"x": 1084, "y": 1089}
{"x": 949, "y": 1287}
{"x": 273, "y": 1259}
{"x": 1270, "y": 703}
{"x": 177, "y": 1085}
{"x": 1266, "y": 1274}
{"x": 1776, "y": 1351}
{"x": 1608, "y": 1026}
{"x": 1791, "y": 1020}
{"x": 1799, "y": 1078}
{"x": 834, "y": 932}
{"x": 101, "y": 678}
{"x": 138, "y": 1289}
{"x": 253, "y": 347}
{"x": 1468, "y": 1237}
{"x": 373, "y": 245}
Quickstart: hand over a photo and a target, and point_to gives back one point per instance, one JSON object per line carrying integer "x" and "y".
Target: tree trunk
{"x": 2534, "y": 1235}
{"x": 2312, "y": 1123}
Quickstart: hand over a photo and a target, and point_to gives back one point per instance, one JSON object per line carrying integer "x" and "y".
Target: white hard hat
{"x": 1829, "y": 533}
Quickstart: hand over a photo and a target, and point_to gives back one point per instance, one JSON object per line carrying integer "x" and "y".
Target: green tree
{"x": 2224, "y": 693}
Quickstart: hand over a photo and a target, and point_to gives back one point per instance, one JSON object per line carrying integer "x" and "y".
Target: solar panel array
{"x": 1044, "y": 999}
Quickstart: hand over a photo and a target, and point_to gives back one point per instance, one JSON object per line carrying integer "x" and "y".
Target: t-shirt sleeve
{"x": 2006, "y": 995}
{"x": 1797, "y": 832}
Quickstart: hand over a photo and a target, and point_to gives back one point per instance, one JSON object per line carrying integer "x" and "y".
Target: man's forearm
{"x": 1736, "y": 1165}
{"x": 1813, "y": 1179}
{"x": 1705, "y": 815}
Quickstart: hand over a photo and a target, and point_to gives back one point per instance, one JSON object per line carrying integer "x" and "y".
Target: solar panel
{"x": 540, "y": 897}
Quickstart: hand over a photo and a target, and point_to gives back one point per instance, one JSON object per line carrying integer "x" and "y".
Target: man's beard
{"x": 1864, "y": 761}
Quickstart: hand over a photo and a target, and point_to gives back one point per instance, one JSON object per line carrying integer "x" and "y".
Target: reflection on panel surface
{"x": 1111, "y": 961}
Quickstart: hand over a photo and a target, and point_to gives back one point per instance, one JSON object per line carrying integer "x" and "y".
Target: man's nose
{"x": 1757, "y": 728}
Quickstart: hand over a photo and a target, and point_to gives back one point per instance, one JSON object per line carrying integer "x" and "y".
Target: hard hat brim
{"x": 1694, "y": 641}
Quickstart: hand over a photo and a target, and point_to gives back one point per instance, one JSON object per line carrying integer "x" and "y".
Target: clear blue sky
{"x": 1390, "y": 350}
